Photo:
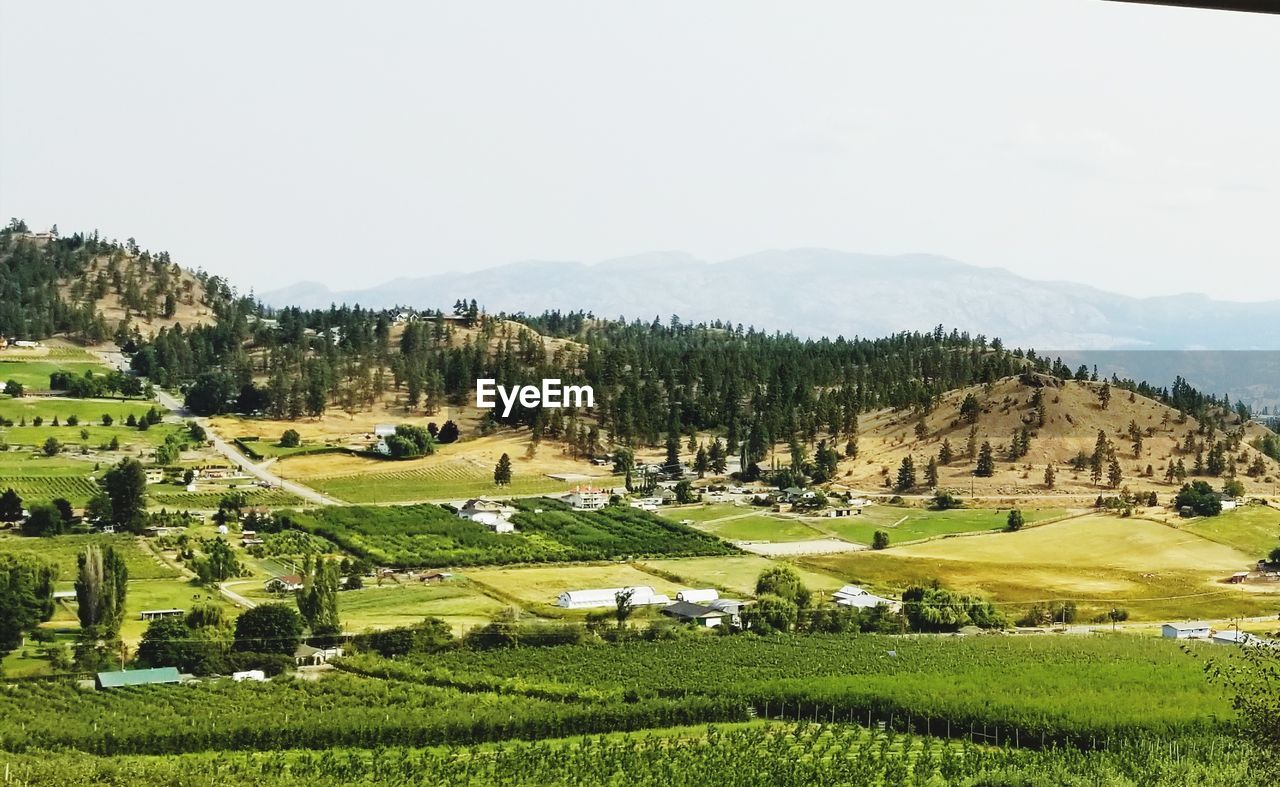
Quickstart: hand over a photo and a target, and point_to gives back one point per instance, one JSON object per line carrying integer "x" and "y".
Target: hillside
{"x": 1073, "y": 418}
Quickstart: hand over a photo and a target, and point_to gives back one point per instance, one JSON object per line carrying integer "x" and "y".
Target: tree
{"x": 1015, "y": 521}
{"x": 906, "y": 474}
{"x": 1050, "y": 476}
{"x": 1115, "y": 476}
{"x": 219, "y": 562}
{"x": 126, "y": 485}
{"x": 1104, "y": 396}
{"x": 318, "y": 598}
{"x": 502, "y": 471}
{"x": 931, "y": 473}
{"x": 26, "y": 596}
{"x": 10, "y": 506}
{"x": 52, "y": 447}
{"x": 623, "y": 606}
{"x": 14, "y": 389}
{"x": 945, "y": 454}
{"x": 970, "y": 409}
{"x": 101, "y": 586}
{"x": 44, "y": 519}
{"x": 785, "y": 583}
{"x": 701, "y": 463}
{"x": 986, "y": 466}
{"x": 212, "y": 393}
{"x": 1200, "y": 498}
{"x": 268, "y": 628}
{"x": 945, "y": 501}
{"x": 170, "y": 642}
{"x": 880, "y": 540}
{"x": 290, "y": 439}
{"x": 448, "y": 433}
{"x": 770, "y": 614}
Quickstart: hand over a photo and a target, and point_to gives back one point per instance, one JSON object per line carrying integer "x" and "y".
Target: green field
{"x": 34, "y": 374}
{"x": 1065, "y": 688}
{"x": 427, "y": 535}
{"x": 171, "y": 496}
{"x": 1253, "y": 529}
{"x": 39, "y": 478}
{"x": 913, "y": 524}
{"x": 747, "y": 526}
{"x": 457, "y": 602}
{"x": 735, "y": 574}
{"x": 451, "y": 481}
{"x": 89, "y": 411}
{"x": 62, "y": 551}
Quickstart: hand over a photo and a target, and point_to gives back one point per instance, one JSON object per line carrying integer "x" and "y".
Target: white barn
{"x": 858, "y": 598}
{"x": 1190, "y": 630}
{"x": 641, "y": 595}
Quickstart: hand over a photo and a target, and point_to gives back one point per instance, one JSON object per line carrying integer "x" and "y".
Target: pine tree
{"x": 971, "y": 445}
{"x": 701, "y": 463}
{"x": 502, "y": 471}
{"x": 931, "y": 473}
{"x": 1050, "y": 476}
{"x": 1104, "y": 396}
{"x": 906, "y": 474}
{"x": 945, "y": 454}
{"x": 986, "y": 466}
{"x": 1114, "y": 474}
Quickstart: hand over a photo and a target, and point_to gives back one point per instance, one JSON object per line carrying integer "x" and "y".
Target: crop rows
{"x": 1076, "y": 690}
{"x": 436, "y": 482}
{"x": 76, "y": 489}
{"x": 341, "y": 710}
{"x": 428, "y": 535}
{"x": 179, "y": 498}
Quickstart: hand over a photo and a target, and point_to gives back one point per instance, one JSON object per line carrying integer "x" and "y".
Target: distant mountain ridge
{"x": 820, "y": 292}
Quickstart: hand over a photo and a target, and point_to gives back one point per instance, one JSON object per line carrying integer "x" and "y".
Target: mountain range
{"x": 820, "y": 292}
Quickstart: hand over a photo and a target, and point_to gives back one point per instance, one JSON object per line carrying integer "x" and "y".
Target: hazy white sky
{"x": 1129, "y": 147}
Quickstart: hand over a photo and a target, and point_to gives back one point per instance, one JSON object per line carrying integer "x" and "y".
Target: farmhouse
{"x": 154, "y": 614}
{"x": 586, "y": 498}
{"x": 283, "y": 584}
{"x": 136, "y": 677}
{"x": 641, "y": 596}
{"x": 1191, "y": 630}
{"x": 306, "y": 655}
{"x": 709, "y": 617}
{"x": 732, "y": 607}
{"x": 858, "y": 598}
{"x": 489, "y": 513}
{"x": 154, "y": 475}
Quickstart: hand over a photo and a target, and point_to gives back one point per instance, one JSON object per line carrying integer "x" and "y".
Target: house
{"x": 709, "y": 617}
{"x": 154, "y": 475}
{"x": 154, "y": 614}
{"x": 732, "y": 607}
{"x": 641, "y": 595}
{"x": 136, "y": 677}
{"x": 1192, "y": 630}
{"x": 283, "y": 584}
{"x": 1238, "y": 578}
{"x": 586, "y": 498}
{"x": 840, "y": 512}
{"x": 858, "y": 598}
{"x": 489, "y": 513}
{"x": 697, "y": 596}
{"x": 252, "y": 674}
{"x": 307, "y": 656}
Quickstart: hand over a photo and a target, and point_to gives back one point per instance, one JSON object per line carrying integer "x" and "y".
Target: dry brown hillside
{"x": 110, "y": 281}
{"x": 1073, "y": 418}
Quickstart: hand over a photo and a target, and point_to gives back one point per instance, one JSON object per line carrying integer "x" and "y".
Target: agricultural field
{"x": 41, "y": 478}
{"x": 536, "y": 588}
{"x": 1154, "y": 571}
{"x": 207, "y": 496}
{"x": 1252, "y": 529}
{"x": 89, "y": 411}
{"x": 163, "y": 594}
{"x": 34, "y": 374}
{"x": 457, "y": 602}
{"x": 1066, "y": 689}
{"x": 456, "y": 471}
{"x": 735, "y": 574}
{"x": 755, "y": 526}
{"x": 914, "y": 524}
{"x": 742, "y": 754}
{"x": 62, "y": 551}
{"x": 427, "y": 535}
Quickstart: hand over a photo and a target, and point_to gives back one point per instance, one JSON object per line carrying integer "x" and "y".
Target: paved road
{"x": 237, "y": 599}
{"x": 179, "y": 412}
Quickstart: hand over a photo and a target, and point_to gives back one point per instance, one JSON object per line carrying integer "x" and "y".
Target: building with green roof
{"x": 137, "y": 677}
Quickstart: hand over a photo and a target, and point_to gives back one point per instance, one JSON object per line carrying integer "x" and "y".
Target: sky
{"x": 1124, "y": 146}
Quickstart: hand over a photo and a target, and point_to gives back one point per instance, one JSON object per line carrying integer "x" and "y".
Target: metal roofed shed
{"x": 137, "y": 677}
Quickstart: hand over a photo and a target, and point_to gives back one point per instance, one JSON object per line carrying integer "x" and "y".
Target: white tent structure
{"x": 698, "y": 596}
{"x": 641, "y": 596}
